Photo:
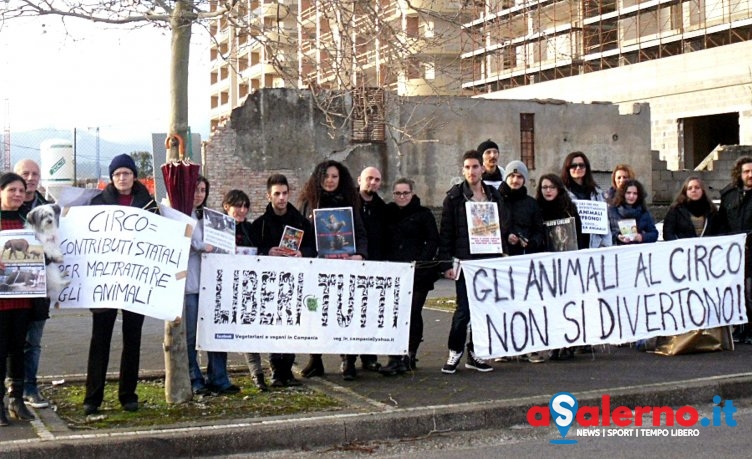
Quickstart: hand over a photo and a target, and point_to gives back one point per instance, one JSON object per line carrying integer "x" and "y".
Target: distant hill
{"x": 26, "y": 145}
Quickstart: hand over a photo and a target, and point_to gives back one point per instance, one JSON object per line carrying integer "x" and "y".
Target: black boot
{"x": 258, "y": 379}
{"x": 413, "y": 361}
{"x": 395, "y": 366}
{"x": 3, "y": 417}
{"x": 315, "y": 367}
{"x": 17, "y": 410}
{"x": 290, "y": 379}
{"x": 348, "y": 367}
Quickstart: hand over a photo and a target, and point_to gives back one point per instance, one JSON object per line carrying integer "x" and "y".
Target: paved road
{"x": 423, "y": 400}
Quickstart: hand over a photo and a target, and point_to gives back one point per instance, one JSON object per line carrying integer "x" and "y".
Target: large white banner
{"x": 124, "y": 257}
{"x": 613, "y": 295}
{"x": 310, "y": 305}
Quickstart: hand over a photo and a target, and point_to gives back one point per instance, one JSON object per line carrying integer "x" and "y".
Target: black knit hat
{"x": 123, "y": 161}
{"x": 487, "y": 145}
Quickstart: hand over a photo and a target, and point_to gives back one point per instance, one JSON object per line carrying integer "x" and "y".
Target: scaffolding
{"x": 520, "y": 42}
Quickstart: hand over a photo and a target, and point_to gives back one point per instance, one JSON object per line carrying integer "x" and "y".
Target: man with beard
{"x": 372, "y": 210}
{"x": 492, "y": 174}
{"x": 735, "y": 216}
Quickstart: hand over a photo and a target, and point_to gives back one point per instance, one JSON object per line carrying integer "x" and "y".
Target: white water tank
{"x": 57, "y": 166}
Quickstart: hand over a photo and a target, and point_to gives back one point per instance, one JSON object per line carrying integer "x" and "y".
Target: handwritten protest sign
{"x": 124, "y": 257}
{"x": 594, "y": 216}
{"x": 281, "y": 304}
{"x": 614, "y": 295}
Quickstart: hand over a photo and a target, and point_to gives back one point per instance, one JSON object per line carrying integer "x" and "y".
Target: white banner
{"x": 309, "y": 305}
{"x": 612, "y": 295}
{"x": 124, "y": 257}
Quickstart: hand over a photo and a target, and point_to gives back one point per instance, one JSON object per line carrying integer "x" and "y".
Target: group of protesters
{"x": 402, "y": 230}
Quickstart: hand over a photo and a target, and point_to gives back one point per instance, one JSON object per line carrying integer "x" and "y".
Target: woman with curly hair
{"x": 331, "y": 185}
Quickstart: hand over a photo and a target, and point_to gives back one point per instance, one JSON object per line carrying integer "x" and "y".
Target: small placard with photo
{"x": 24, "y": 274}
{"x": 628, "y": 228}
{"x": 291, "y": 239}
{"x": 219, "y": 231}
{"x": 561, "y": 234}
{"x": 335, "y": 232}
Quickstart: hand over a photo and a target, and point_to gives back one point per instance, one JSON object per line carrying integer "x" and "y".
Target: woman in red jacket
{"x": 14, "y": 312}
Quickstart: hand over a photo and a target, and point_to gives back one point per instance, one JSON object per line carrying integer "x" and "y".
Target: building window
{"x": 527, "y": 139}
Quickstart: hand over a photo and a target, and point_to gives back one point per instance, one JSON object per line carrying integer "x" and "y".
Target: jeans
{"x": 458, "y": 332}
{"x": 191, "y": 322}
{"x": 216, "y": 370}
{"x": 103, "y": 322}
{"x": 31, "y": 354}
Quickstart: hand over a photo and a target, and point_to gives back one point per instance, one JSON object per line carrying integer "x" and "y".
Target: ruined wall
{"x": 283, "y": 130}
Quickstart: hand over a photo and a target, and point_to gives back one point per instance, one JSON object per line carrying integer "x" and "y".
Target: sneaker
{"x": 475, "y": 363}
{"x": 502, "y": 359}
{"x": 534, "y": 357}
{"x": 36, "y": 401}
{"x": 450, "y": 367}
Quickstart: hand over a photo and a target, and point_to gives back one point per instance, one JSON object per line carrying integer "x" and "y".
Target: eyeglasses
{"x": 402, "y": 194}
{"x": 548, "y": 187}
{"x": 577, "y": 166}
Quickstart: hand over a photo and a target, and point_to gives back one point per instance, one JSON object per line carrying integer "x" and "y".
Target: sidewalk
{"x": 406, "y": 406}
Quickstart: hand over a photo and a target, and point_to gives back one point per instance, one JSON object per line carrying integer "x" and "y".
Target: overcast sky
{"x": 116, "y": 79}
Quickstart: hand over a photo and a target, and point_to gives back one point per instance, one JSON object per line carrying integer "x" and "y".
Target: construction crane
{"x": 6, "y": 136}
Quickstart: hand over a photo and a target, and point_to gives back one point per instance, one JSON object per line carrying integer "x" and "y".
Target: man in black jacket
{"x": 372, "y": 210}
{"x": 735, "y": 216}
{"x": 455, "y": 243}
{"x": 267, "y": 230}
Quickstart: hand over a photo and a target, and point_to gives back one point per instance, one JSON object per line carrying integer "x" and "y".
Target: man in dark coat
{"x": 372, "y": 210}
{"x": 734, "y": 217}
{"x": 454, "y": 243}
{"x": 267, "y": 230}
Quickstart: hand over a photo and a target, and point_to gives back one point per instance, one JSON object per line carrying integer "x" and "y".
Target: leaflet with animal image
{"x": 219, "y": 231}
{"x": 483, "y": 227}
{"x": 561, "y": 234}
{"x": 335, "y": 232}
{"x": 24, "y": 275}
{"x": 291, "y": 239}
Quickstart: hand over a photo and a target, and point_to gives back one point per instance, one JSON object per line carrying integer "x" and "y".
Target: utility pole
{"x": 6, "y": 137}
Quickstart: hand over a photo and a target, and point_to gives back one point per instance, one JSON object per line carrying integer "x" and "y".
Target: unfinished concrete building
{"x": 408, "y": 48}
{"x": 689, "y": 59}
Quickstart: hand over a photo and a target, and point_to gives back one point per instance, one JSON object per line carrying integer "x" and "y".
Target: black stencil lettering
{"x": 220, "y": 315}
{"x": 268, "y": 279}
{"x": 250, "y": 287}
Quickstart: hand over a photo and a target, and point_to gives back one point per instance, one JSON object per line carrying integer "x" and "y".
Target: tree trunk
{"x": 177, "y": 380}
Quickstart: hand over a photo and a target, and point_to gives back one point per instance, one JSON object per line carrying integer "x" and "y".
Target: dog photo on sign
{"x": 44, "y": 220}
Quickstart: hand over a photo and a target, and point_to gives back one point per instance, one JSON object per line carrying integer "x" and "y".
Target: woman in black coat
{"x": 692, "y": 213}
{"x": 411, "y": 235}
{"x": 331, "y": 185}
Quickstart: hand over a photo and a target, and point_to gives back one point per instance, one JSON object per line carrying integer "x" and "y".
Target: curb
{"x": 326, "y": 430}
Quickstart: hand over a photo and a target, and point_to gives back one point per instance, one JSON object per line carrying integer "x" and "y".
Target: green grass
{"x": 445, "y": 304}
{"x": 154, "y": 411}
